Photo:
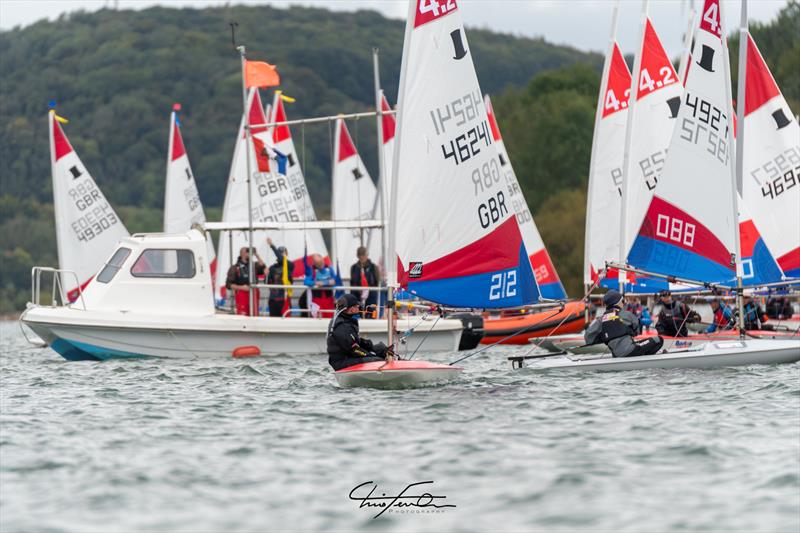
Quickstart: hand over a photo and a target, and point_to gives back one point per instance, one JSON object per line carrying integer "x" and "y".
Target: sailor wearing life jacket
{"x": 618, "y": 327}
{"x": 723, "y": 317}
{"x": 345, "y": 346}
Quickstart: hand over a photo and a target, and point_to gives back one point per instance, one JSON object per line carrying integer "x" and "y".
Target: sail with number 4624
{"x": 457, "y": 239}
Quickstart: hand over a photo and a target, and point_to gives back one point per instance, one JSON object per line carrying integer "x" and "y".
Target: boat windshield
{"x": 160, "y": 263}
{"x": 113, "y": 265}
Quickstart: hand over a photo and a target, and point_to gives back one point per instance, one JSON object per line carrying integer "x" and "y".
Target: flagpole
{"x": 738, "y": 170}
{"x": 248, "y": 142}
{"x": 384, "y": 195}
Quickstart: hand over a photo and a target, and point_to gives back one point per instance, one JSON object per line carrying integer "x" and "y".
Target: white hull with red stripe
{"x": 395, "y": 374}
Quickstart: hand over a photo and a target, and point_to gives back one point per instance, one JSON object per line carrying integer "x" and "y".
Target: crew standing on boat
{"x": 618, "y": 327}
{"x": 346, "y": 347}
{"x": 238, "y": 281}
{"x": 279, "y": 273}
{"x": 673, "y": 317}
{"x": 322, "y": 280}
{"x": 364, "y": 273}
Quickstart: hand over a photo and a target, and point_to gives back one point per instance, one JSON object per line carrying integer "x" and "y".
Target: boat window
{"x": 113, "y": 265}
{"x": 156, "y": 263}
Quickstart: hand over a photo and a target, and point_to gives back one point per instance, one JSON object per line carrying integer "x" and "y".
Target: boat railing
{"x": 57, "y": 288}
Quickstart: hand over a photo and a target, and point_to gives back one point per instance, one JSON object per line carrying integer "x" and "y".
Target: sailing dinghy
{"x": 87, "y": 228}
{"x": 395, "y": 374}
{"x": 459, "y": 243}
{"x": 182, "y": 206}
{"x": 679, "y": 235}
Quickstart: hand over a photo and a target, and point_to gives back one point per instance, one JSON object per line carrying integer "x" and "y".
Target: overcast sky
{"x": 584, "y": 24}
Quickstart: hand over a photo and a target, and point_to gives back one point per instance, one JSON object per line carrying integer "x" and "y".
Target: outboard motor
{"x": 472, "y": 333}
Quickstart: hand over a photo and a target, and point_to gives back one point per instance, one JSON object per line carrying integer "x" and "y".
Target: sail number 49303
{"x": 504, "y": 285}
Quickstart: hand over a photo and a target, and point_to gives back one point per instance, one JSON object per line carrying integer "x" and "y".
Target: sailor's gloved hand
{"x": 359, "y": 351}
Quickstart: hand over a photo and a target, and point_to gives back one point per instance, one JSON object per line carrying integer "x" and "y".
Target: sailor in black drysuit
{"x": 345, "y": 346}
{"x": 616, "y": 328}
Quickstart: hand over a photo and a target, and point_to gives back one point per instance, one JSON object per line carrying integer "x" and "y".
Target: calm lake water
{"x": 273, "y": 444}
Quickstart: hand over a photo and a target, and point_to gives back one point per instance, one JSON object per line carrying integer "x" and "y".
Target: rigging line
{"x": 523, "y": 330}
{"x": 427, "y": 334}
{"x": 585, "y": 297}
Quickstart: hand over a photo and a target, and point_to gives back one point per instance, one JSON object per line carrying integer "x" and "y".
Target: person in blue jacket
{"x": 322, "y": 279}
{"x": 723, "y": 317}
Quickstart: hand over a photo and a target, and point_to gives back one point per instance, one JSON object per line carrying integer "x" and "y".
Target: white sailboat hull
{"x": 712, "y": 354}
{"x": 78, "y": 334}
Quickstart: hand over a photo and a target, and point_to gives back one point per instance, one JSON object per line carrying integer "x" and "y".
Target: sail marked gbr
{"x": 457, "y": 237}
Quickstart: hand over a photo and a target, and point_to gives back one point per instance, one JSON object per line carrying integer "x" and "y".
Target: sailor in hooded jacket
{"x": 345, "y": 346}
{"x": 617, "y": 328}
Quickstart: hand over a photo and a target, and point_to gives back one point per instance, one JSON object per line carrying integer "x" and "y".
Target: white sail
{"x": 543, "y": 269}
{"x": 354, "y": 197}
{"x": 690, "y": 228}
{"x": 605, "y": 177}
{"x": 282, "y": 141}
{"x": 273, "y": 200}
{"x": 771, "y": 167}
{"x": 182, "y": 206}
{"x": 87, "y": 228}
{"x": 656, "y": 95}
{"x": 457, "y": 238}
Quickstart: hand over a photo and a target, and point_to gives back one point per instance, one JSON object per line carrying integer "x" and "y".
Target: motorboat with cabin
{"x": 153, "y": 297}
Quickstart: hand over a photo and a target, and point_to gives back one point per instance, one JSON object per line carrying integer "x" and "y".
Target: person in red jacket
{"x": 238, "y": 280}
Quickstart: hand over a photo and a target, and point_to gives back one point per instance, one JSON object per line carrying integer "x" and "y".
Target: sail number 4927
{"x": 504, "y": 285}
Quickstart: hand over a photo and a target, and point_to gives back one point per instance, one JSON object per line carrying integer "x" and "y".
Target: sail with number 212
{"x": 457, "y": 238}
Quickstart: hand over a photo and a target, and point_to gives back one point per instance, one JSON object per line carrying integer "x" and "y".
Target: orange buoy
{"x": 247, "y": 351}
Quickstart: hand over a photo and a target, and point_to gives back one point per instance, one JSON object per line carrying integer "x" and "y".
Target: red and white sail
{"x": 87, "y": 228}
{"x": 690, "y": 227}
{"x": 354, "y": 198}
{"x": 758, "y": 264}
{"x": 182, "y": 206}
{"x": 604, "y": 198}
{"x": 282, "y": 141}
{"x": 771, "y": 167}
{"x": 388, "y": 127}
{"x": 273, "y": 198}
{"x": 656, "y": 95}
{"x": 457, "y": 237}
{"x": 543, "y": 269}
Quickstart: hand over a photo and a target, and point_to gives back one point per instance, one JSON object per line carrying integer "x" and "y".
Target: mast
{"x": 635, "y": 78}
{"x": 592, "y": 161}
{"x": 683, "y": 66}
{"x": 391, "y": 259}
{"x": 382, "y": 191}
{"x": 250, "y": 273}
{"x": 737, "y": 169}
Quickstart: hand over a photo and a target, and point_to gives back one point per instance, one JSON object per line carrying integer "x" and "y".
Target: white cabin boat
{"x": 154, "y": 298}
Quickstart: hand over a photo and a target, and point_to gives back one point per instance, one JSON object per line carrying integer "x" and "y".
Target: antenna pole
{"x": 248, "y": 143}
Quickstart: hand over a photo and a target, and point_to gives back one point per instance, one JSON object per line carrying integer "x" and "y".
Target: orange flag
{"x": 260, "y": 74}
